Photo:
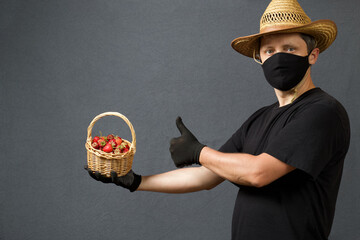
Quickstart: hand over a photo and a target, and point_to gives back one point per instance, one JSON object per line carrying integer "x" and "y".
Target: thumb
{"x": 180, "y": 125}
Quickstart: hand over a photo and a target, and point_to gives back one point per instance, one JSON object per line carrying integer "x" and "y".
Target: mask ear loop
{"x": 256, "y": 60}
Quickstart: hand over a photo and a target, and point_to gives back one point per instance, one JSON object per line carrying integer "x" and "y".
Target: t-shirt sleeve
{"x": 309, "y": 140}
{"x": 234, "y": 144}
{"x": 236, "y": 141}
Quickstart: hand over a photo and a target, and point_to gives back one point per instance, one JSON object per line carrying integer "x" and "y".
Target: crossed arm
{"x": 240, "y": 168}
{"x": 243, "y": 169}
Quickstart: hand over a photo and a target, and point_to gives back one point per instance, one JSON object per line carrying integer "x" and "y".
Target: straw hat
{"x": 287, "y": 16}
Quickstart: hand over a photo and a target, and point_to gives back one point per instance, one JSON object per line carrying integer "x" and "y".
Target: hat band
{"x": 278, "y": 27}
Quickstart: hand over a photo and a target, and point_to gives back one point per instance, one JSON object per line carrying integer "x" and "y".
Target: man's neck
{"x": 287, "y": 97}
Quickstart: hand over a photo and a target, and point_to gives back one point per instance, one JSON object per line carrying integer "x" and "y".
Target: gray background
{"x": 64, "y": 62}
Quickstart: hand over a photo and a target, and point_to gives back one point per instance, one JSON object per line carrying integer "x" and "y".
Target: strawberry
{"x": 110, "y": 136}
{"x": 95, "y": 139}
{"x": 118, "y": 140}
{"x": 95, "y": 145}
{"x": 101, "y": 142}
{"x": 108, "y": 148}
{"x": 110, "y": 143}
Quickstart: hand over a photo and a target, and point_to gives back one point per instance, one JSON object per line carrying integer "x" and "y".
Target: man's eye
{"x": 290, "y": 49}
{"x": 269, "y": 51}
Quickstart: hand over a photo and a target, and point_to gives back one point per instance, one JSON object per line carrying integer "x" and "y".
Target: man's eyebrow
{"x": 289, "y": 45}
{"x": 268, "y": 45}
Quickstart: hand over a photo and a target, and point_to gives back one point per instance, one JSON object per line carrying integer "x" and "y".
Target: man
{"x": 287, "y": 158}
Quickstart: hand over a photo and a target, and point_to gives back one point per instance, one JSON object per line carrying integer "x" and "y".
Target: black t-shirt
{"x": 311, "y": 134}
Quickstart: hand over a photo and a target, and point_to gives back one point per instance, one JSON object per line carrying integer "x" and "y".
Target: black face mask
{"x": 284, "y": 71}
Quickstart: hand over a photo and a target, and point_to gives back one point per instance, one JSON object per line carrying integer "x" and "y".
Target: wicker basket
{"x": 103, "y": 162}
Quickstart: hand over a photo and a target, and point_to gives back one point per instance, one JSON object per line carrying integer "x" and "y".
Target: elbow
{"x": 251, "y": 180}
{"x": 258, "y": 183}
{"x": 258, "y": 179}
{"x": 260, "y": 176}
{"x": 265, "y": 169}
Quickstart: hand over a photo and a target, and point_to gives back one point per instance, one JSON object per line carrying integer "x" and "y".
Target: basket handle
{"x": 89, "y": 130}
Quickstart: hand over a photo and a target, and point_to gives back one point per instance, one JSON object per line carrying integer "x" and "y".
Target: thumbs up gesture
{"x": 185, "y": 150}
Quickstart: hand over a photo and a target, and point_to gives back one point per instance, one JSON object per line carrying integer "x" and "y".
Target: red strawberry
{"x": 95, "y": 145}
{"x": 118, "y": 140}
{"x": 95, "y": 139}
{"x": 101, "y": 142}
{"x": 110, "y": 136}
{"x": 125, "y": 150}
{"x": 108, "y": 148}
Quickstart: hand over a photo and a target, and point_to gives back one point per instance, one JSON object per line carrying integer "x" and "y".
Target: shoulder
{"x": 235, "y": 143}
{"x": 319, "y": 103}
{"x": 323, "y": 110}
{"x": 261, "y": 112}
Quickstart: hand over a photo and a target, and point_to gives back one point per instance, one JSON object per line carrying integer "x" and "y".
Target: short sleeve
{"x": 309, "y": 140}
{"x": 234, "y": 143}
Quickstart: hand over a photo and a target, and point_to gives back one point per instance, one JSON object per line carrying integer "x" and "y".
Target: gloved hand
{"x": 185, "y": 150}
{"x": 130, "y": 181}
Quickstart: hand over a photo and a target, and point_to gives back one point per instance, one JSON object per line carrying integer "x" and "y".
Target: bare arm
{"x": 244, "y": 169}
{"x": 182, "y": 180}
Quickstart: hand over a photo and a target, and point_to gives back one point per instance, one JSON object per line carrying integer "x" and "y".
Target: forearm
{"x": 184, "y": 180}
{"x": 239, "y": 168}
{"x": 244, "y": 169}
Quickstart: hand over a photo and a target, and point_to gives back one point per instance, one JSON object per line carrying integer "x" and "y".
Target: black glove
{"x": 185, "y": 150}
{"x": 130, "y": 181}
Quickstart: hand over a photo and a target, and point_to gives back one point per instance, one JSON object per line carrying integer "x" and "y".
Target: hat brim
{"x": 324, "y": 32}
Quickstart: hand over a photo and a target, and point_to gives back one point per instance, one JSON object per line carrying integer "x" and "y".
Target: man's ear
{"x": 314, "y": 56}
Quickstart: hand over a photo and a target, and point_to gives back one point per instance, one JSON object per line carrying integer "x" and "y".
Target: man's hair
{"x": 310, "y": 42}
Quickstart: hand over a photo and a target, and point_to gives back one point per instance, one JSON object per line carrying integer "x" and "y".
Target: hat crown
{"x": 283, "y": 13}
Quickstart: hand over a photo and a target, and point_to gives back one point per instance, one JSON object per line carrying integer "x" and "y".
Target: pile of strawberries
{"x": 110, "y": 144}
